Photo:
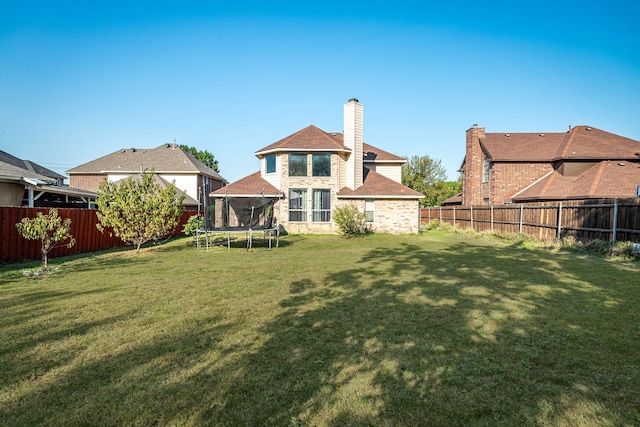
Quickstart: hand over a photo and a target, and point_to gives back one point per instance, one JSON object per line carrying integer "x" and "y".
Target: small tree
{"x": 50, "y": 229}
{"x": 350, "y": 220}
{"x": 139, "y": 210}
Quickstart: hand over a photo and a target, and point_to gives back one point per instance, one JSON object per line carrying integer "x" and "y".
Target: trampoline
{"x": 249, "y": 215}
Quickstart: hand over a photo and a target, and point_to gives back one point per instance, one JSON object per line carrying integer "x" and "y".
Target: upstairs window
{"x": 321, "y": 164}
{"x": 485, "y": 170}
{"x": 270, "y": 163}
{"x": 297, "y": 164}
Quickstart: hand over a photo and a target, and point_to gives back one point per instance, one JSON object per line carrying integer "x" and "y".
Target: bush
{"x": 194, "y": 223}
{"x": 350, "y": 221}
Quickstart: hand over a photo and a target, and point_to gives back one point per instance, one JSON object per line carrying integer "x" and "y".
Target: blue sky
{"x": 80, "y": 80}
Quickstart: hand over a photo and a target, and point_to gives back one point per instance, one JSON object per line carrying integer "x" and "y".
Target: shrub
{"x": 194, "y": 223}
{"x": 350, "y": 220}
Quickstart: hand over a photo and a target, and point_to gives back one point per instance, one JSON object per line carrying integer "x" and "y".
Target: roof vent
{"x": 508, "y": 135}
{"x": 588, "y": 129}
{"x": 133, "y": 150}
{"x": 542, "y": 134}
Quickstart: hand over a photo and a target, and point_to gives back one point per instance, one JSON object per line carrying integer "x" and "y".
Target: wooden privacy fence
{"x": 607, "y": 219}
{"x": 14, "y": 247}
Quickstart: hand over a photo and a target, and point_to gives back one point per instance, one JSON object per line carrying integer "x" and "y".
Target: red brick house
{"x": 583, "y": 163}
{"x": 311, "y": 172}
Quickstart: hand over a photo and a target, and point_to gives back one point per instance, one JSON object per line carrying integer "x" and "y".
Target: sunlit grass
{"x": 383, "y": 330}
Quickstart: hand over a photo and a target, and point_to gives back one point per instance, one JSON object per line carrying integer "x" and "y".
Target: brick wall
{"x": 509, "y": 178}
{"x": 86, "y": 182}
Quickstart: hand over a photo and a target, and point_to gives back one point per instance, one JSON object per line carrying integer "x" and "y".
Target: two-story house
{"x": 169, "y": 162}
{"x": 311, "y": 172}
{"x": 583, "y": 163}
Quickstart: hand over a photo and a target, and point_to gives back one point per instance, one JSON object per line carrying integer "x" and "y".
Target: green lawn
{"x": 437, "y": 329}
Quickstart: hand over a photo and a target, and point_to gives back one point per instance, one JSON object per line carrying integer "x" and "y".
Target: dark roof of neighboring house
{"x": 252, "y": 185}
{"x": 580, "y": 143}
{"x": 167, "y": 158}
{"x": 379, "y": 186}
{"x": 606, "y": 179}
{"x": 12, "y": 165}
{"x": 453, "y": 200}
{"x": 312, "y": 138}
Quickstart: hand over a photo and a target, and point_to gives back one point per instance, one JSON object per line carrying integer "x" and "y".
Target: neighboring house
{"x": 312, "y": 172}
{"x": 583, "y": 163}
{"x": 25, "y": 183}
{"x": 169, "y": 161}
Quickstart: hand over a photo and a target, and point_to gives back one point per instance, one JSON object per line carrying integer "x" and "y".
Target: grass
{"x": 437, "y": 329}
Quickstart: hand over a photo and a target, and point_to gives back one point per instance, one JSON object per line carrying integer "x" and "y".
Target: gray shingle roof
{"x": 13, "y": 166}
{"x": 167, "y": 158}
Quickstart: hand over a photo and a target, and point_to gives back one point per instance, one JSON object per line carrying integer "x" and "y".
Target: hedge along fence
{"x": 14, "y": 247}
{"x": 606, "y": 219}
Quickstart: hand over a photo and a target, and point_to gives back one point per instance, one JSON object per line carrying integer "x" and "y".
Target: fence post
{"x": 559, "y": 221}
{"x": 615, "y": 221}
{"x": 521, "y": 213}
{"x": 440, "y": 215}
{"x": 429, "y": 213}
{"x": 471, "y": 214}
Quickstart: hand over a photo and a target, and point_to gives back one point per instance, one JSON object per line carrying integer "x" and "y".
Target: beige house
{"x": 312, "y": 172}
{"x": 25, "y": 183}
{"x": 170, "y": 163}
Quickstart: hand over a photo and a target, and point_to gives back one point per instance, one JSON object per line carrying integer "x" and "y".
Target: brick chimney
{"x": 474, "y": 159}
{"x": 353, "y": 118}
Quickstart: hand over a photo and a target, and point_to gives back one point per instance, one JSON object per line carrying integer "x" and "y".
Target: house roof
{"x": 453, "y": 200}
{"x": 249, "y": 186}
{"x": 378, "y": 186}
{"x": 167, "y": 158}
{"x": 13, "y": 166}
{"x": 580, "y": 143}
{"x": 606, "y": 179}
{"x": 374, "y": 154}
{"x": 310, "y": 138}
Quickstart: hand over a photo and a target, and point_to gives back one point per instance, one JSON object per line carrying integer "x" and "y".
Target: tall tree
{"x": 50, "y": 229}
{"x": 427, "y": 175}
{"x": 139, "y": 210}
{"x": 204, "y": 156}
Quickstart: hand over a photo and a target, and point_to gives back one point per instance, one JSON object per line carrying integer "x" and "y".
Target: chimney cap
{"x": 354, "y": 100}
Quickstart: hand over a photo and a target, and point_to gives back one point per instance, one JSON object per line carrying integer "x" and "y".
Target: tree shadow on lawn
{"x": 406, "y": 336}
{"x": 413, "y": 337}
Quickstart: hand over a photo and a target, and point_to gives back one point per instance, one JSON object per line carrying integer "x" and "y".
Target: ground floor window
{"x": 369, "y": 208}
{"x": 297, "y": 205}
{"x": 321, "y": 205}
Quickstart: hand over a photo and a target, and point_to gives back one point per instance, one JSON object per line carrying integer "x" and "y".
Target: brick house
{"x": 312, "y": 172}
{"x": 583, "y": 163}
{"x": 169, "y": 161}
